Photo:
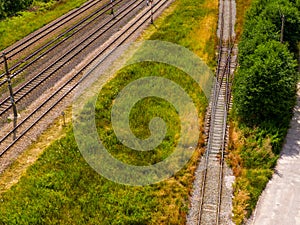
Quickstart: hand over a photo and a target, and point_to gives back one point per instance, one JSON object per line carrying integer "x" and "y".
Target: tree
{"x": 256, "y": 32}
{"x": 10, "y": 7}
{"x": 264, "y": 91}
{"x": 272, "y": 11}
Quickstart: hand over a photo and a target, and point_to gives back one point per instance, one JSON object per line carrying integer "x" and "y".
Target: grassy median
{"x": 61, "y": 188}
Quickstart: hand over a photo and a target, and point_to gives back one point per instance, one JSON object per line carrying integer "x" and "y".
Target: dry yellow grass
{"x": 205, "y": 33}
{"x": 241, "y": 197}
{"x": 242, "y": 7}
{"x": 236, "y": 142}
{"x": 239, "y": 206}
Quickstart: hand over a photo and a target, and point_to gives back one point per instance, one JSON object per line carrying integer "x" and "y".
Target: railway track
{"x": 52, "y": 44}
{"x": 28, "y": 42}
{"x": 53, "y": 64}
{"x": 207, "y": 209}
{"x": 56, "y": 100}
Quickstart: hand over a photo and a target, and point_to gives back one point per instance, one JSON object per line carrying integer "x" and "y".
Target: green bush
{"x": 265, "y": 83}
{"x": 10, "y": 7}
{"x": 265, "y": 86}
{"x": 256, "y": 32}
{"x": 263, "y": 95}
{"x": 271, "y": 11}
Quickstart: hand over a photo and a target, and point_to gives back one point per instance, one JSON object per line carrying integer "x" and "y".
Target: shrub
{"x": 264, "y": 95}
{"x": 10, "y": 7}
{"x": 265, "y": 87}
{"x": 271, "y": 11}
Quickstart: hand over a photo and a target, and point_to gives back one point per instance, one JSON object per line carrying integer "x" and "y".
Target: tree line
{"x": 264, "y": 89}
{"x": 12, "y": 7}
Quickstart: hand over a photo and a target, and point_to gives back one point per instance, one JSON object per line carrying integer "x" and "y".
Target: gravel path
{"x": 206, "y": 206}
{"x": 227, "y": 18}
{"x": 280, "y": 201}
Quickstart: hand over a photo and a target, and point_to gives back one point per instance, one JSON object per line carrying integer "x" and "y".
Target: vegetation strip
{"x": 38, "y": 14}
{"x": 62, "y": 188}
{"x": 264, "y": 96}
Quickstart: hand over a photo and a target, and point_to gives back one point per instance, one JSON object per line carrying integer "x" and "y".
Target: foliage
{"x": 10, "y": 7}
{"x": 266, "y": 85}
{"x": 272, "y": 11}
{"x": 256, "y": 32}
{"x": 263, "y": 96}
{"x": 252, "y": 156}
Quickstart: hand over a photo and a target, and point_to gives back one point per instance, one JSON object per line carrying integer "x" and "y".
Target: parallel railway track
{"x": 47, "y": 30}
{"x": 54, "y": 43}
{"x": 212, "y": 180}
{"x": 60, "y": 97}
{"x": 60, "y": 62}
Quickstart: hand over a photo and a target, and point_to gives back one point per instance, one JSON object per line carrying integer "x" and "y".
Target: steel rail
{"x": 226, "y": 105}
{"x": 216, "y": 91}
{"x": 53, "y": 41}
{"x": 219, "y": 83}
{"x": 70, "y": 80}
{"x": 207, "y": 153}
{"x": 75, "y": 13}
{"x": 31, "y": 85}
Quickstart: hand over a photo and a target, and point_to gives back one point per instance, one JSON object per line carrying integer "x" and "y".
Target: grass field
{"x": 61, "y": 188}
{"x": 15, "y": 28}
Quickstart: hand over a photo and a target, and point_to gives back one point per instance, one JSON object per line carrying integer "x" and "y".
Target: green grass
{"x": 61, "y": 188}
{"x": 253, "y": 150}
{"x": 253, "y": 155}
{"x": 15, "y": 28}
{"x": 144, "y": 111}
